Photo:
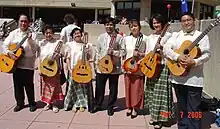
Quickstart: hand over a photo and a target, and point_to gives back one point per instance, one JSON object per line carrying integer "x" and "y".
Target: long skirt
{"x": 78, "y": 95}
{"x": 158, "y": 97}
{"x": 134, "y": 91}
{"x": 51, "y": 89}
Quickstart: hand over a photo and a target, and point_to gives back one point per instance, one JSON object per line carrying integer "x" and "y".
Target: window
{"x": 136, "y": 5}
{"x": 107, "y": 11}
{"x": 100, "y": 12}
{"x": 128, "y": 5}
{"x": 120, "y": 5}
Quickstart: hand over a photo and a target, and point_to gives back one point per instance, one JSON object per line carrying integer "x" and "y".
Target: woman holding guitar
{"x": 134, "y": 82}
{"x": 158, "y": 92}
{"x": 51, "y": 90}
{"x": 79, "y": 95}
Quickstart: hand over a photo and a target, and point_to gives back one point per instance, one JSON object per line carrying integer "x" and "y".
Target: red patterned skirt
{"x": 51, "y": 89}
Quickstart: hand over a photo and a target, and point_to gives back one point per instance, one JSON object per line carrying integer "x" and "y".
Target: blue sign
{"x": 184, "y": 6}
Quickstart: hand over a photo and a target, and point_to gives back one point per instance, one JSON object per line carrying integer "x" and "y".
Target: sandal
{"x": 74, "y": 110}
{"x": 151, "y": 122}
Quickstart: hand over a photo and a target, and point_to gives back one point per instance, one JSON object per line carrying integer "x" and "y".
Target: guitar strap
{"x": 112, "y": 41}
{"x": 139, "y": 41}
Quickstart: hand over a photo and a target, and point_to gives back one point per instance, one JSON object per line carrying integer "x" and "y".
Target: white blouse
{"x": 74, "y": 50}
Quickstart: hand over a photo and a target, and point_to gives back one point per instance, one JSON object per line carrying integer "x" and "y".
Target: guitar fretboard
{"x": 205, "y": 32}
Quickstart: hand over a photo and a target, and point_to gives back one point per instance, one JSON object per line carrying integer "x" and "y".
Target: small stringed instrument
{"x": 131, "y": 65}
{"x": 105, "y": 64}
{"x": 150, "y": 64}
{"x": 189, "y": 48}
{"x": 82, "y": 72}
{"x": 49, "y": 65}
{"x": 7, "y": 64}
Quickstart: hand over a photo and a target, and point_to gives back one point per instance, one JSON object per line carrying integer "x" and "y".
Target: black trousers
{"x": 101, "y": 80}
{"x": 189, "y": 100}
{"x": 23, "y": 78}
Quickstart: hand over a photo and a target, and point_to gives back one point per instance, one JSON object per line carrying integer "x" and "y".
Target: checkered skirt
{"x": 158, "y": 97}
{"x": 76, "y": 95}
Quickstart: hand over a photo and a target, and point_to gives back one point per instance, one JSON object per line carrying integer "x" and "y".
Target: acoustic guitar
{"x": 49, "y": 65}
{"x": 105, "y": 64}
{"x": 7, "y": 64}
{"x": 191, "y": 49}
{"x": 131, "y": 64}
{"x": 82, "y": 71}
{"x": 150, "y": 64}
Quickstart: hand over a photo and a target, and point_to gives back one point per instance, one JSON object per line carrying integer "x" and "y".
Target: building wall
{"x": 59, "y": 3}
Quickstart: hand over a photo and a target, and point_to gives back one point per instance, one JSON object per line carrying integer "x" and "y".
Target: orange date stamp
{"x": 165, "y": 114}
{"x": 192, "y": 115}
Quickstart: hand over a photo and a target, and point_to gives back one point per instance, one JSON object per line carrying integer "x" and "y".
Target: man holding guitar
{"x": 188, "y": 87}
{"x": 110, "y": 48}
{"x": 24, "y": 73}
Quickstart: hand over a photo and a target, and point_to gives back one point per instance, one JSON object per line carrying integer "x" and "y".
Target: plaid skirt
{"x": 158, "y": 97}
{"x": 78, "y": 95}
{"x": 51, "y": 89}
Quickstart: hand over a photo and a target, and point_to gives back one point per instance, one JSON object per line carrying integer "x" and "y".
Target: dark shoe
{"x": 95, "y": 109}
{"x": 128, "y": 113}
{"x": 32, "y": 108}
{"x": 110, "y": 112}
{"x": 133, "y": 116}
{"x": 18, "y": 108}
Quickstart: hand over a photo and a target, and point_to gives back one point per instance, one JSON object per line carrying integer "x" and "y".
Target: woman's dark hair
{"x": 47, "y": 27}
{"x": 159, "y": 18}
{"x": 74, "y": 30}
{"x": 134, "y": 21}
{"x": 189, "y": 14}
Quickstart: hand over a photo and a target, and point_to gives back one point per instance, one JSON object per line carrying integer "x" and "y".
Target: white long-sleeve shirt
{"x": 28, "y": 61}
{"x": 195, "y": 77}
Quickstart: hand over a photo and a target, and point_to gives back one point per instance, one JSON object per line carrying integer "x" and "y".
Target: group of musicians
{"x": 141, "y": 92}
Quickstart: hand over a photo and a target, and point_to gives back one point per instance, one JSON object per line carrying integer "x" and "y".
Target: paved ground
{"x": 67, "y": 119}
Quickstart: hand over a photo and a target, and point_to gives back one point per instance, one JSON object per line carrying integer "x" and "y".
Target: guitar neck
{"x": 22, "y": 42}
{"x": 205, "y": 32}
{"x": 57, "y": 50}
{"x": 161, "y": 36}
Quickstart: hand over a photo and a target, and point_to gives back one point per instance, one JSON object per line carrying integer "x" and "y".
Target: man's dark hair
{"x": 189, "y": 14}
{"x": 69, "y": 18}
{"x": 159, "y": 18}
{"x": 46, "y": 27}
{"x": 74, "y": 30}
{"x": 109, "y": 19}
{"x": 25, "y": 16}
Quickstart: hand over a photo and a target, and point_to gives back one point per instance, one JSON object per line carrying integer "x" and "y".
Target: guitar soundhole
{"x": 5, "y": 62}
{"x": 186, "y": 51}
{"x": 132, "y": 62}
{"x": 106, "y": 61}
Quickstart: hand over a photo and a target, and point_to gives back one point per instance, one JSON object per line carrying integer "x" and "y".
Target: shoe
{"x": 157, "y": 125}
{"x": 133, "y": 116}
{"x": 55, "y": 109}
{"x": 96, "y": 109}
{"x": 32, "y": 108}
{"x": 151, "y": 122}
{"x": 18, "y": 108}
{"x": 47, "y": 107}
{"x": 81, "y": 109}
{"x": 129, "y": 113}
{"x": 110, "y": 112}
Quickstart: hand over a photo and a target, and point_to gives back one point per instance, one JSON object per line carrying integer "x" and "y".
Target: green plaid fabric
{"x": 158, "y": 97}
{"x": 76, "y": 95}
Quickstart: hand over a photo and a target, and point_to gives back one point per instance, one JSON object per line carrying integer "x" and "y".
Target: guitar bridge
{"x": 48, "y": 68}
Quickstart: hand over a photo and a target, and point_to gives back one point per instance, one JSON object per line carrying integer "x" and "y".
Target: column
{"x": 145, "y": 9}
{"x": 96, "y": 14}
{"x": 33, "y": 13}
{"x": 113, "y": 9}
{"x": 1, "y": 11}
{"x": 197, "y": 10}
